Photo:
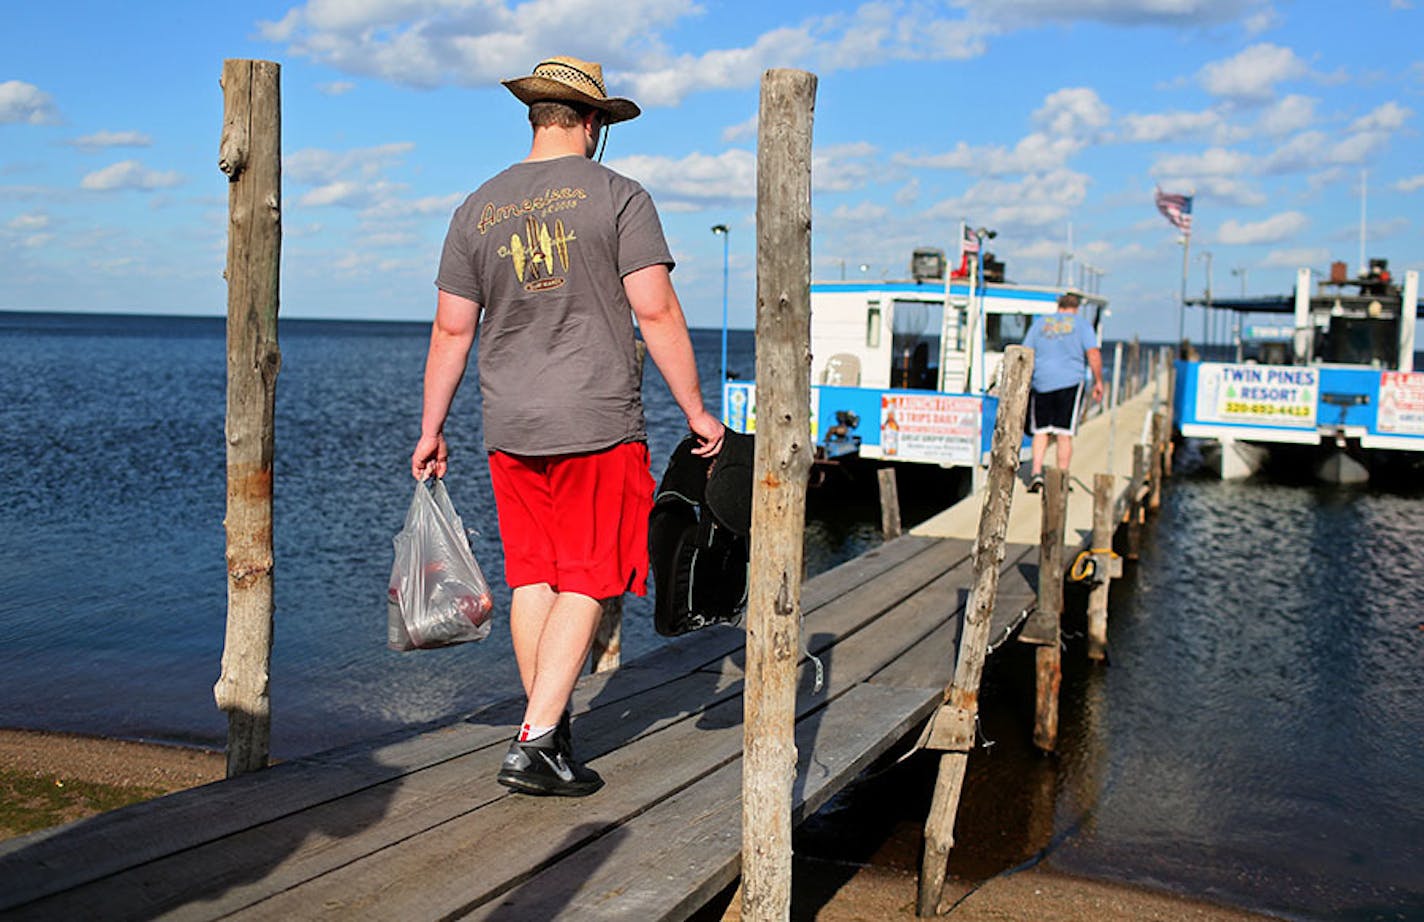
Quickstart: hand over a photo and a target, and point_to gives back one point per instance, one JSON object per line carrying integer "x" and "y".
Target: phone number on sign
{"x": 1265, "y": 409}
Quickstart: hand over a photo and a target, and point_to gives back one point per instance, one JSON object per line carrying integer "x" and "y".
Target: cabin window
{"x": 915, "y": 344}
{"x": 1004, "y": 330}
{"x": 872, "y": 325}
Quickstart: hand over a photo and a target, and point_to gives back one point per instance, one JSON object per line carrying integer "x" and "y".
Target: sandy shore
{"x": 834, "y": 894}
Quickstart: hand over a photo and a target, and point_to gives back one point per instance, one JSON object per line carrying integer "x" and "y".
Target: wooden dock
{"x": 414, "y": 826}
{"x": 1104, "y": 445}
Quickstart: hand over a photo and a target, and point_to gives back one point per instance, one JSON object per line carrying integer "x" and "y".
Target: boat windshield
{"x": 1372, "y": 341}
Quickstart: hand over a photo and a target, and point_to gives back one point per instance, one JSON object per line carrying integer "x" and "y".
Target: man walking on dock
{"x": 1064, "y": 346}
{"x": 551, "y": 259}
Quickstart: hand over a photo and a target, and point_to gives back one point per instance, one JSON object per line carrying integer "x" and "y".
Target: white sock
{"x": 527, "y": 732}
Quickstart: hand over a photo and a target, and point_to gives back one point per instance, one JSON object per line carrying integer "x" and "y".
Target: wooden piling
{"x": 1103, "y": 565}
{"x": 1159, "y": 455}
{"x": 1141, "y": 459}
{"x": 953, "y": 728}
{"x": 889, "y": 503}
{"x": 1043, "y": 626}
{"x": 250, "y": 153}
{"x": 782, "y": 467}
{"x": 607, "y": 650}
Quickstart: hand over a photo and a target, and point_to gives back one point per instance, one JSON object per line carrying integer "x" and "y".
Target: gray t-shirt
{"x": 543, "y": 248}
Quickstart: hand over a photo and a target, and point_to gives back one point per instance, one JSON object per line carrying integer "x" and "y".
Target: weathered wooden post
{"x": 607, "y": 650}
{"x": 953, "y": 729}
{"x": 1106, "y": 565}
{"x": 1159, "y": 456}
{"x": 1134, "y": 364}
{"x": 782, "y": 467}
{"x": 889, "y": 503}
{"x": 251, "y": 156}
{"x": 1141, "y": 459}
{"x": 1043, "y": 626}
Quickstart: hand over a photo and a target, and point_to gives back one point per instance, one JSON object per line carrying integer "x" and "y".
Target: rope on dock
{"x": 1085, "y": 565}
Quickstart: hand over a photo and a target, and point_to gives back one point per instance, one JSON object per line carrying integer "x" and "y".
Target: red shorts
{"x": 576, "y": 522}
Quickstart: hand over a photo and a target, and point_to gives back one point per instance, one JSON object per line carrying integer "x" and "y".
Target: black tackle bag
{"x": 699, "y": 537}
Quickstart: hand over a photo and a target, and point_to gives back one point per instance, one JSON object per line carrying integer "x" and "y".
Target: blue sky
{"x": 1038, "y": 118}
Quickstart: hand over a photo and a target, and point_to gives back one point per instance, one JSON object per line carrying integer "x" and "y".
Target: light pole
{"x": 981, "y": 234}
{"x": 726, "y": 234}
{"x": 1206, "y": 307}
{"x": 1241, "y": 271}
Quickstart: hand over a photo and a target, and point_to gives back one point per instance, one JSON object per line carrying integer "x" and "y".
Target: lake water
{"x": 1257, "y": 736}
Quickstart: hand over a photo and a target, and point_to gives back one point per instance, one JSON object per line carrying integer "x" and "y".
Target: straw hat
{"x": 565, "y": 79}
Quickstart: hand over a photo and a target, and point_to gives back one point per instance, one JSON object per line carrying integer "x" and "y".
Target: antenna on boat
{"x": 1364, "y": 187}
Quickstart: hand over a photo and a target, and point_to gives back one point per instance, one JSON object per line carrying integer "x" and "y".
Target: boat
{"x": 1335, "y": 388}
{"x": 904, "y": 371}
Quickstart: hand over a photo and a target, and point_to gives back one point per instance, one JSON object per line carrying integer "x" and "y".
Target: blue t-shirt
{"x": 1060, "y": 342}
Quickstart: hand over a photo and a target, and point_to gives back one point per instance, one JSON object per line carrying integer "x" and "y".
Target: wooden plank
{"x": 53, "y": 860}
{"x": 691, "y": 651}
{"x": 409, "y": 882}
{"x": 670, "y": 861}
{"x": 931, "y": 661}
{"x": 48, "y": 862}
{"x": 242, "y": 868}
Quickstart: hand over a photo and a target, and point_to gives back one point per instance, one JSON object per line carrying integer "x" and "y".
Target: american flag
{"x": 970, "y": 243}
{"x": 1177, "y": 209}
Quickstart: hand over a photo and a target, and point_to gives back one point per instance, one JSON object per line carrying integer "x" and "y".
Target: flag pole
{"x": 1182, "y": 308}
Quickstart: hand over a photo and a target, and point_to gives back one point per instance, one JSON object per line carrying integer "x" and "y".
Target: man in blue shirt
{"x": 1064, "y": 346}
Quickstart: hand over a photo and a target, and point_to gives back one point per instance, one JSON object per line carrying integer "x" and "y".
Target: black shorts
{"x": 1055, "y": 411}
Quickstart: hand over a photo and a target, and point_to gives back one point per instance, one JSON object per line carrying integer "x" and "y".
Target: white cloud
{"x": 1252, "y": 75}
{"x": 1214, "y": 161}
{"x": 477, "y": 42}
{"x": 1296, "y": 258}
{"x": 741, "y": 131}
{"x": 842, "y": 167}
{"x": 336, "y": 87}
{"x": 100, "y": 140}
{"x": 1274, "y": 229}
{"x": 1411, "y": 184}
{"x": 909, "y": 193}
{"x": 323, "y": 167}
{"x": 1314, "y": 149}
{"x": 1389, "y": 116}
{"x": 1166, "y": 126}
{"x": 696, "y": 178}
{"x": 862, "y": 213}
{"x": 1074, "y": 111}
{"x": 129, "y": 174}
{"x": 1123, "y": 12}
{"x": 1289, "y": 113}
{"x": 1035, "y": 201}
{"x": 25, "y": 103}
{"x": 29, "y": 222}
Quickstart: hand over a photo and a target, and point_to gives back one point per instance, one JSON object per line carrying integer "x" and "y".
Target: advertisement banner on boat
{"x": 1261, "y": 395}
{"x": 739, "y": 407}
{"x": 930, "y": 427}
{"x": 1401, "y": 403}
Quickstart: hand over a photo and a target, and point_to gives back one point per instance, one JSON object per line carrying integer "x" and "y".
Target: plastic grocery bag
{"x": 438, "y": 596}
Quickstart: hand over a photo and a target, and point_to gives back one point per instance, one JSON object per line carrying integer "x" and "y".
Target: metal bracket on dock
{"x": 951, "y": 730}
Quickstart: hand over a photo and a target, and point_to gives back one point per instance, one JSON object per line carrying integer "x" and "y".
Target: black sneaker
{"x": 544, "y": 765}
{"x": 1035, "y": 483}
